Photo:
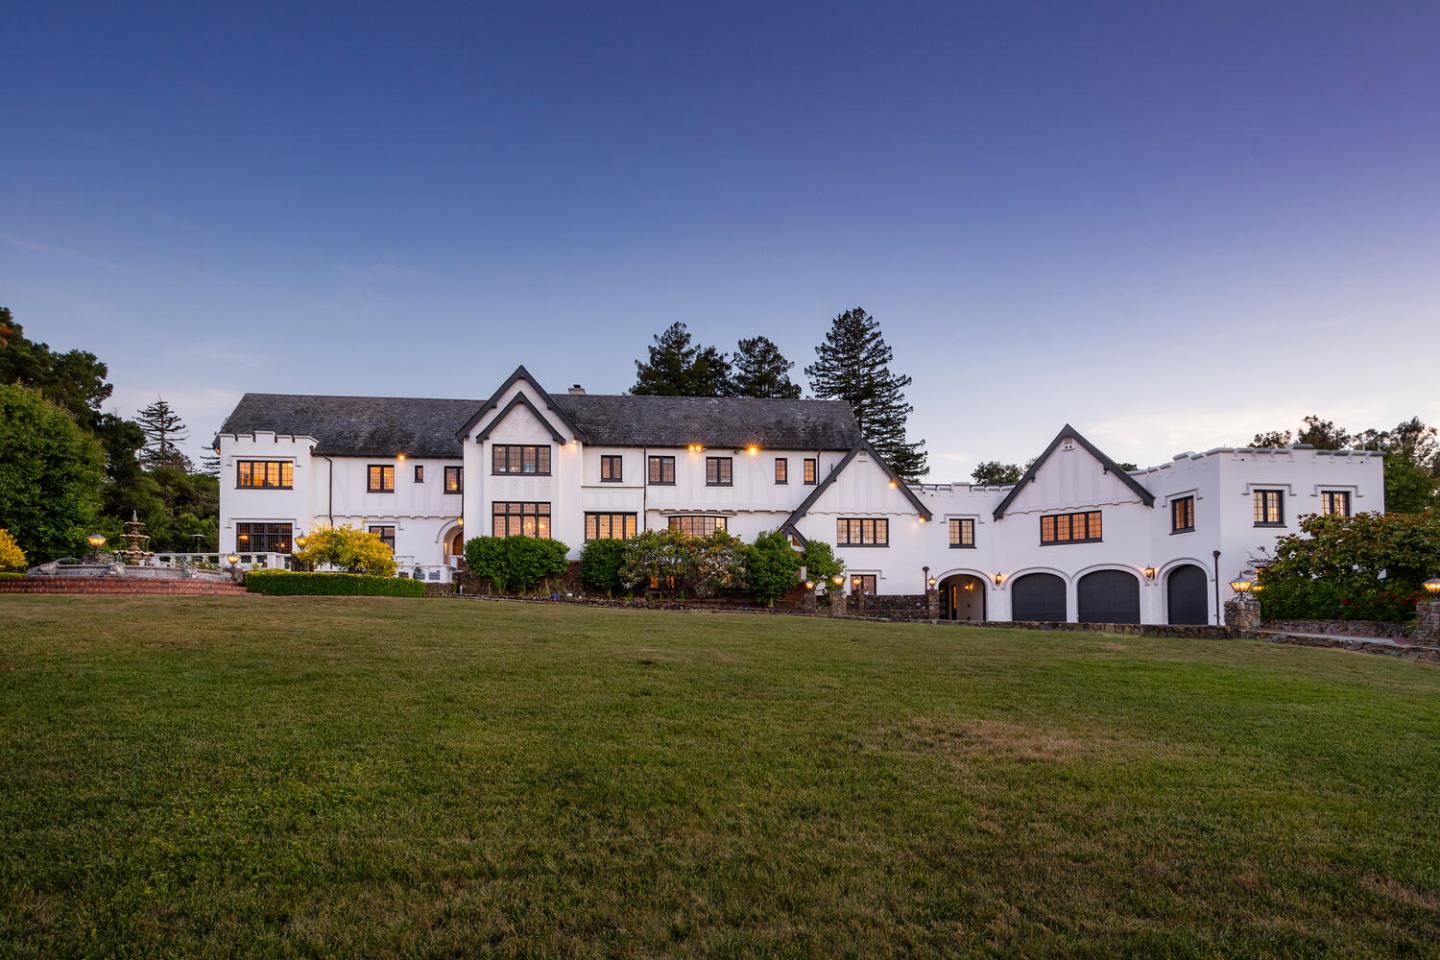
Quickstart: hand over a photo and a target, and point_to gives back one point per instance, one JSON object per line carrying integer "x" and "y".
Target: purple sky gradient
{"x": 1170, "y": 224}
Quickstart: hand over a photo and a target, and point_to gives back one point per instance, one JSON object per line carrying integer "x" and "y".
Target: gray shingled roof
{"x": 627, "y": 421}
{"x": 357, "y": 426}
{"x": 418, "y": 427}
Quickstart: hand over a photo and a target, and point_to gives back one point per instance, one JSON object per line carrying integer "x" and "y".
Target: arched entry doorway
{"x": 1186, "y": 590}
{"x": 962, "y": 597}
{"x": 455, "y": 543}
{"x": 1108, "y": 596}
{"x": 1038, "y": 596}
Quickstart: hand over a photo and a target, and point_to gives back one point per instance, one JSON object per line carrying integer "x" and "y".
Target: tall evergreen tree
{"x": 677, "y": 368}
{"x": 761, "y": 370}
{"x": 164, "y": 431}
{"x": 853, "y": 364}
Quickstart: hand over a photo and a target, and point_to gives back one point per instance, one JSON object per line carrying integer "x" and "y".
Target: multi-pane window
{"x": 662, "y": 471}
{"x": 265, "y": 474}
{"x": 386, "y": 535}
{"x": 262, "y": 537}
{"x": 514, "y": 518}
{"x": 380, "y": 478}
{"x": 513, "y": 458}
{"x": 862, "y": 532}
{"x": 863, "y": 583}
{"x": 698, "y": 526}
{"x": 719, "y": 471}
{"x": 810, "y": 464}
{"x": 611, "y": 468}
{"x": 454, "y": 479}
{"x": 1269, "y": 508}
{"x": 1071, "y": 528}
{"x": 782, "y": 470}
{"x": 609, "y": 526}
{"x": 419, "y": 473}
{"x": 962, "y": 532}
{"x": 1182, "y": 515}
{"x": 1335, "y": 503}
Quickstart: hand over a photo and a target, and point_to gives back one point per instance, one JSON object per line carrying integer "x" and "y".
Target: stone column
{"x": 1242, "y": 613}
{"x": 932, "y": 603}
{"x": 1427, "y": 621}
{"x": 839, "y": 604}
{"x": 811, "y": 603}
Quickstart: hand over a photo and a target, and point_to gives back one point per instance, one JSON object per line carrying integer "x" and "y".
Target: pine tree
{"x": 853, "y": 364}
{"x": 762, "y": 371}
{"x": 164, "y": 431}
{"x": 676, "y": 368}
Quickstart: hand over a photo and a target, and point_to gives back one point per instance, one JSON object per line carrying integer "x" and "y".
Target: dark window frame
{"x": 1261, "y": 501}
{"x": 1327, "y": 498}
{"x": 522, "y": 509}
{"x": 459, "y": 474}
{"x": 782, "y": 471}
{"x": 379, "y": 530}
{"x": 616, "y": 467}
{"x": 629, "y": 524}
{"x": 250, "y": 533}
{"x": 855, "y": 535}
{"x": 279, "y": 471}
{"x": 686, "y": 522}
{"x": 1182, "y": 508}
{"x": 811, "y": 471}
{"x": 728, "y": 464}
{"x": 662, "y": 461}
{"x": 869, "y": 584}
{"x": 419, "y": 473}
{"x": 959, "y": 524}
{"x": 386, "y": 469}
{"x": 528, "y": 452}
{"x": 1055, "y": 523}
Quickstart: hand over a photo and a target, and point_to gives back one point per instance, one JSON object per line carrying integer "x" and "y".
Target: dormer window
{"x": 507, "y": 459}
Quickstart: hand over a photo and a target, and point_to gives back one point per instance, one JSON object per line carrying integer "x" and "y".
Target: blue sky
{"x": 1170, "y": 224}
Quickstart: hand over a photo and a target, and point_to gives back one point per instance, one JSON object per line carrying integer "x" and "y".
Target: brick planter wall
{"x": 121, "y": 587}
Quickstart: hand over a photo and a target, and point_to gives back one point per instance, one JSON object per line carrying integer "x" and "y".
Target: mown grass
{"x": 254, "y": 776}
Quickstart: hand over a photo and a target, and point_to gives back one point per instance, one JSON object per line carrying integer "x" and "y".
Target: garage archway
{"x": 1108, "y": 596}
{"x": 1186, "y": 595}
{"x": 962, "y": 597}
{"x": 1038, "y": 596}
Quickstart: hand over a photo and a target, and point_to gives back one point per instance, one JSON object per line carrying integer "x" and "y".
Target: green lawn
{"x": 385, "y": 777}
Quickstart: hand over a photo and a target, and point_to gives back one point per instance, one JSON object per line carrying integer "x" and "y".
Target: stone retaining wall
{"x": 1389, "y": 630}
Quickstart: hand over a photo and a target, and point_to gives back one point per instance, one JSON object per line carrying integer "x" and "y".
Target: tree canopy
{"x": 761, "y": 370}
{"x": 853, "y": 364}
{"x": 50, "y": 474}
{"x": 676, "y": 367}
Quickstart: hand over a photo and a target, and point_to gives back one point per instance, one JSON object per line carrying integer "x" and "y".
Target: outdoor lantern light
{"x": 752, "y": 449}
{"x": 999, "y": 579}
{"x": 232, "y": 559}
{"x": 837, "y": 579}
{"x": 1150, "y": 574}
{"x": 1432, "y": 586}
{"x": 1241, "y": 586}
{"x": 1257, "y": 587}
{"x": 96, "y": 541}
{"x": 892, "y": 484}
{"x": 931, "y": 582}
{"x": 809, "y": 584}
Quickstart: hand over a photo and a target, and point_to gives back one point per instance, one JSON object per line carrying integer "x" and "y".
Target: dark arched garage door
{"x": 1037, "y": 596}
{"x": 1108, "y": 596}
{"x": 1185, "y": 595}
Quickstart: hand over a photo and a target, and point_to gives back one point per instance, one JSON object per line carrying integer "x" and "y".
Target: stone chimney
{"x": 576, "y": 390}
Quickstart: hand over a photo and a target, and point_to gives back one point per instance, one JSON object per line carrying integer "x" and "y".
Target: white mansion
{"x": 1076, "y": 539}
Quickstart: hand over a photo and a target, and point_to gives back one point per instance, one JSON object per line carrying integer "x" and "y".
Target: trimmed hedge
{"x": 295, "y": 583}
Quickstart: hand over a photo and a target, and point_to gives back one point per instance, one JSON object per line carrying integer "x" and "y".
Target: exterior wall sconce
{"x": 1149, "y": 574}
{"x": 999, "y": 579}
{"x": 892, "y": 484}
{"x": 400, "y": 457}
{"x": 1432, "y": 587}
{"x": 837, "y": 579}
{"x": 921, "y": 519}
{"x": 1241, "y": 586}
{"x": 752, "y": 449}
{"x": 695, "y": 447}
{"x": 809, "y": 584}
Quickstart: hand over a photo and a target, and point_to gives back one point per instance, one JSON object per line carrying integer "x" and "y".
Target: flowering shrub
{"x": 1366, "y": 567}
{"x": 11, "y": 556}
{"x": 348, "y": 549}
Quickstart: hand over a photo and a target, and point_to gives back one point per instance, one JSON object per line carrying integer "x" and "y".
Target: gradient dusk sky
{"x": 1170, "y": 224}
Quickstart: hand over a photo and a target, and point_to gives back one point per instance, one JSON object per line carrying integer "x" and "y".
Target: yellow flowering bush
{"x": 11, "y": 556}
{"x": 348, "y": 549}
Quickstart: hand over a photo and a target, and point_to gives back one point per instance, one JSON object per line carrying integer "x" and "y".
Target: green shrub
{"x": 774, "y": 567}
{"x": 516, "y": 564}
{"x": 600, "y": 563}
{"x": 294, "y": 583}
{"x": 820, "y": 563}
{"x": 9, "y": 575}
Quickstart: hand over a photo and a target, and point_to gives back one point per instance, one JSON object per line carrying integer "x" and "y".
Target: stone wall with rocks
{"x": 1386, "y": 629}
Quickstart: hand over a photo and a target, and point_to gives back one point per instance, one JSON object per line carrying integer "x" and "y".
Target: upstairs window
{"x": 454, "y": 479}
{"x": 419, "y": 473}
{"x": 962, "y": 532}
{"x": 265, "y": 474}
{"x": 1182, "y": 515}
{"x": 1269, "y": 508}
{"x": 810, "y": 464}
{"x": 698, "y": 526}
{"x": 1071, "y": 528}
{"x": 386, "y": 535}
{"x": 782, "y": 470}
{"x": 516, "y": 519}
{"x": 662, "y": 471}
{"x": 380, "y": 478}
{"x": 1334, "y": 503}
{"x": 611, "y": 468}
{"x": 862, "y": 532}
{"x": 523, "y": 459}
{"x": 719, "y": 472}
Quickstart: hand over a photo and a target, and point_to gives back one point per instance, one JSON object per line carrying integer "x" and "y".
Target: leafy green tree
{"x": 1273, "y": 439}
{"x": 600, "y": 563}
{"x": 762, "y": 371}
{"x": 994, "y": 473}
{"x": 853, "y": 364}
{"x": 820, "y": 563}
{"x": 774, "y": 567}
{"x": 347, "y": 549}
{"x": 677, "y": 368}
{"x": 661, "y": 560}
{"x": 1366, "y": 567}
{"x": 1323, "y": 434}
{"x": 50, "y": 471}
{"x": 74, "y": 380}
{"x": 722, "y": 564}
{"x": 1412, "y": 456}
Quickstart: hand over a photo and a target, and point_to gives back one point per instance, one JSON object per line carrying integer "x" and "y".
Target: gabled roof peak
{"x": 1069, "y": 432}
